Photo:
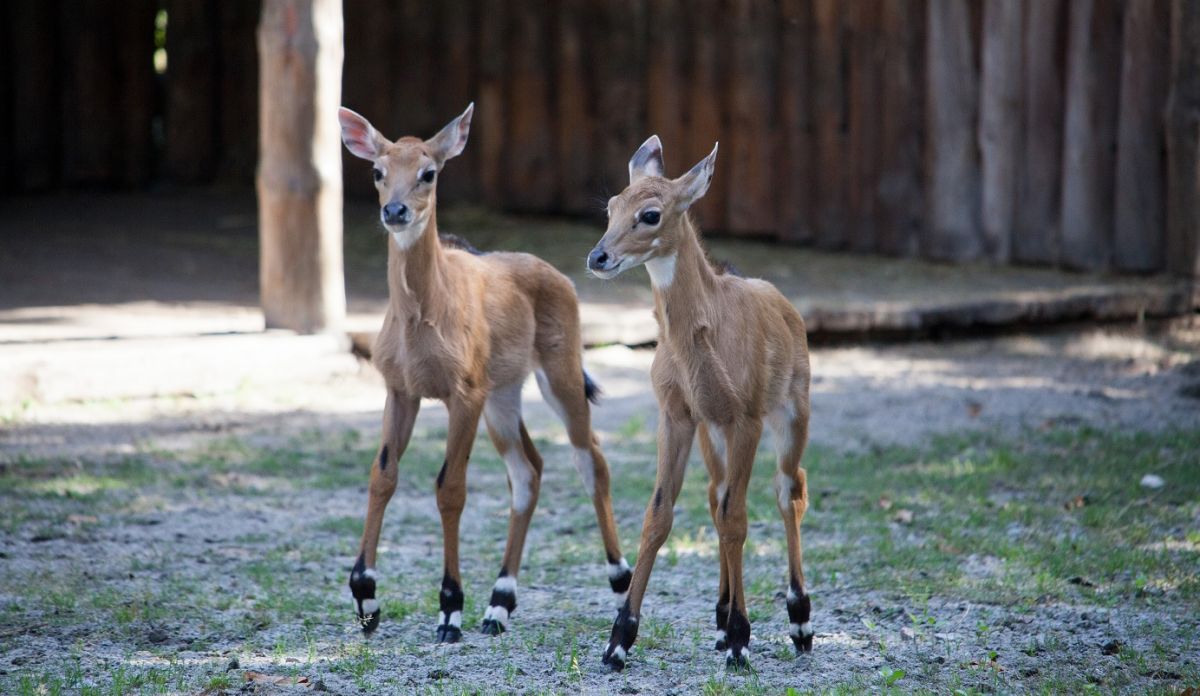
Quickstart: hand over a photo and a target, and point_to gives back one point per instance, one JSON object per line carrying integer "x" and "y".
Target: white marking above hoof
{"x": 506, "y": 584}
{"x": 497, "y": 614}
{"x": 453, "y": 619}
{"x": 616, "y": 570}
{"x": 370, "y": 606}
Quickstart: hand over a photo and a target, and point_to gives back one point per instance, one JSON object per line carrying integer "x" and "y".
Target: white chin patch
{"x": 662, "y": 270}
{"x": 616, "y": 570}
{"x": 408, "y": 235}
{"x": 497, "y": 614}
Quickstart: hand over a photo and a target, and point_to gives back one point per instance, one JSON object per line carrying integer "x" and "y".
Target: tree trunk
{"x": 1139, "y": 237}
{"x": 1093, "y": 67}
{"x": 750, "y": 184}
{"x": 795, "y": 167}
{"x": 1183, "y": 142}
{"x": 300, "y": 166}
{"x": 1000, "y": 123}
{"x": 900, "y": 167}
{"x": 952, "y": 194}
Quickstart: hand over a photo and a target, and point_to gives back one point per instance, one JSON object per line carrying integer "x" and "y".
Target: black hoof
{"x": 369, "y": 622}
{"x": 737, "y": 663}
{"x": 614, "y": 661}
{"x": 722, "y": 645}
{"x": 803, "y": 644}
{"x": 491, "y": 627}
{"x": 624, "y": 632}
{"x": 449, "y": 634}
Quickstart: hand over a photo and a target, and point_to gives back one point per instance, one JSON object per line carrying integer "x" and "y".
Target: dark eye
{"x": 428, "y": 175}
{"x": 378, "y": 173}
{"x": 651, "y": 217}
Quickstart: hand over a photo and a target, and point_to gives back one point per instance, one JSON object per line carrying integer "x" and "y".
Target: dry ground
{"x": 977, "y": 525}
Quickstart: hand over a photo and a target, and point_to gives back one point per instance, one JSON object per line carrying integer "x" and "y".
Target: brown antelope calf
{"x": 467, "y": 328}
{"x": 732, "y": 353}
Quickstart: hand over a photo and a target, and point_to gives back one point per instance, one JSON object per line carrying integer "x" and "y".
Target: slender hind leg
{"x": 790, "y": 427}
{"x": 399, "y": 414}
{"x": 743, "y": 440}
{"x": 451, "y": 497}
{"x": 503, "y": 415}
{"x": 562, "y": 386}
{"x": 712, "y": 447}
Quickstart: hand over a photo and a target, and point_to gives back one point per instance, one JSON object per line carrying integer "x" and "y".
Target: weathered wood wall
{"x": 1057, "y": 132}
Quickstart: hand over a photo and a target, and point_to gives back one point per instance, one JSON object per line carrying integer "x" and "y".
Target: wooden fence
{"x": 1059, "y": 132}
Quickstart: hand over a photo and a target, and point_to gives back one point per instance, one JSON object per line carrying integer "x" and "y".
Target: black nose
{"x": 597, "y": 259}
{"x": 395, "y": 213}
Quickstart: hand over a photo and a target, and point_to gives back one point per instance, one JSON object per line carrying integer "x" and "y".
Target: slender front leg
{"x": 712, "y": 447}
{"x": 743, "y": 439}
{"x": 399, "y": 414}
{"x": 451, "y": 497}
{"x": 675, "y": 432}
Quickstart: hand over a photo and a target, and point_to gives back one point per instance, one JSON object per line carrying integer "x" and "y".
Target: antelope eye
{"x": 378, "y": 174}
{"x": 427, "y": 175}
{"x": 651, "y": 217}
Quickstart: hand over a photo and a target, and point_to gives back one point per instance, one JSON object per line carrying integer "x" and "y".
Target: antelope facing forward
{"x": 731, "y": 353}
{"x": 468, "y": 328}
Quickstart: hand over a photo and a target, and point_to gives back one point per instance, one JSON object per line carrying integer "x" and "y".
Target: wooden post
{"x": 829, "y": 113}
{"x": 795, "y": 165}
{"x": 900, "y": 167}
{"x": 1090, "y": 133}
{"x": 1000, "y": 123}
{"x": 1036, "y": 238}
{"x": 300, "y": 165}
{"x": 952, "y": 98}
{"x": 1183, "y": 142}
{"x": 1139, "y": 238}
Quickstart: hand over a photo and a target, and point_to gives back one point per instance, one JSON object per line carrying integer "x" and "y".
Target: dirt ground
{"x": 173, "y": 545}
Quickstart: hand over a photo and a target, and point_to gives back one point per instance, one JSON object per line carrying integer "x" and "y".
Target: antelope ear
{"x": 694, "y": 184}
{"x": 647, "y": 161}
{"x": 452, "y": 140}
{"x": 359, "y": 136}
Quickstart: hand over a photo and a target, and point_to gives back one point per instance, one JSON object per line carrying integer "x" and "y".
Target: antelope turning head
{"x": 406, "y": 170}
{"x": 643, "y": 220}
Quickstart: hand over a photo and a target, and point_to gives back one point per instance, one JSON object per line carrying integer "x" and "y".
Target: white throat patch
{"x": 409, "y": 234}
{"x": 662, "y": 270}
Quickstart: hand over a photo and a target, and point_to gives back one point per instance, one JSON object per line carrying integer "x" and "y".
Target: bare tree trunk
{"x": 1000, "y": 123}
{"x": 1183, "y": 142}
{"x": 1036, "y": 238}
{"x": 300, "y": 165}
{"x": 952, "y": 195}
{"x": 1139, "y": 239}
{"x": 1089, "y": 173}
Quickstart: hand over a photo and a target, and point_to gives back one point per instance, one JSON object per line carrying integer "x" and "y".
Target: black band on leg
{"x": 799, "y": 608}
{"x": 450, "y": 600}
{"x": 362, "y": 586}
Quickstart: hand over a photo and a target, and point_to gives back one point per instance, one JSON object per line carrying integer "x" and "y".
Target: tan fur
{"x": 732, "y": 353}
{"x": 463, "y": 328}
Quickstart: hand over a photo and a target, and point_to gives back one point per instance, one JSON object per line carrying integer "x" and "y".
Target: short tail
{"x": 591, "y": 390}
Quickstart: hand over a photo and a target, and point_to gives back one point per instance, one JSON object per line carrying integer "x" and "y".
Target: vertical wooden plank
{"x": 865, "y": 68}
{"x": 901, "y": 199}
{"x": 573, "y": 112}
{"x": 1093, "y": 64}
{"x": 951, "y": 150}
{"x": 529, "y": 158}
{"x": 1183, "y": 142}
{"x": 237, "y": 91}
{"x": 665, "y": 81}
{"x": 456, "y": 89}
{"x": 134, "y": 25}
{"x": 795, "y": 166}
{"x": 751, "y": 184}
{"x": 191, "y": 120}
{"x": 368, "y": 78}
{"x": 89, "y": 98}
{"x": 620, "y": 38}
{"x": 413, "y": 79}
{"x": 830, "y": 117}
{"x": 1000, "y": 123}
{"x": 488, "y": 124}
{"x": 1036, "y": 238}
{"x": 1139, "y": 236}
{"x": 707, "y": 125}
{"x": 32, "y": 35}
